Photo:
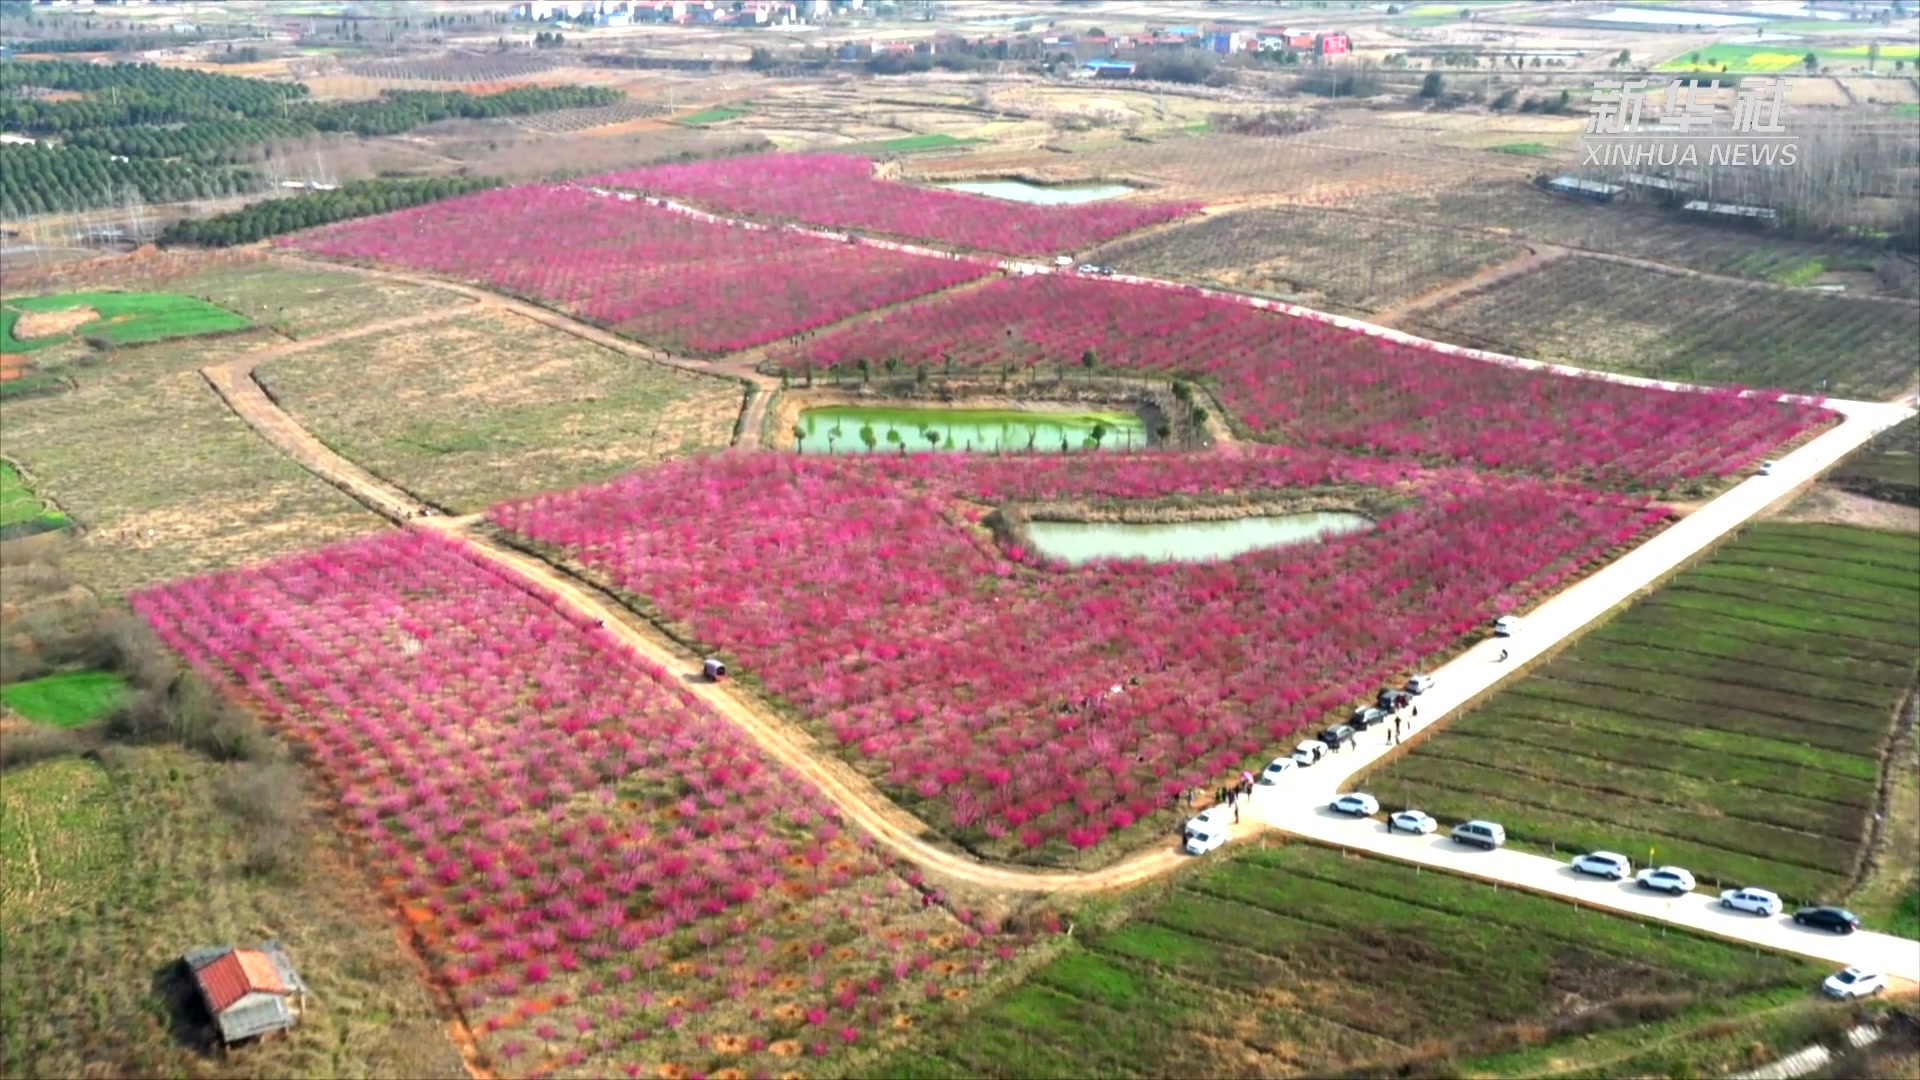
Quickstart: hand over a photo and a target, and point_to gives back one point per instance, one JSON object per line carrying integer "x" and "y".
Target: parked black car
{"x": 1337, "y": 736}
{"x": 1394, "y": 700}
{"x": 1363, "y": 719}
{"x": 1838, "y": 920}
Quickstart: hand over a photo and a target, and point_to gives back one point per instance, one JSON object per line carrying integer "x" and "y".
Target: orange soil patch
{"x": 901, "y": 1022}
{"x": 789, "y": 1012}
{"x": 627, "y": 128}
{"x": 786, "y": 984}
{"x": 784, "y": 1048}
{"x": 954, "y": 993}
{"x": 12, "y": 367}
{"x": 39, "y": 324}
{"x": 681, "y": 967}
{"x": 669, "y": 1071}
{"x": 727, "y": 1074}
{"x": 729, "y": 1044}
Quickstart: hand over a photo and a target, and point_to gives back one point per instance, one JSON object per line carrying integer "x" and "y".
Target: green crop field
{"x": 908, "y": 144}
{"x": 1302, "y": 961}
{"x": 69, "y": 699}
{"x": 113, "y": 868}
{"x": 21, "y": 511}
{"x": 122, "y": 318}
{"x": 1741, "y": 59}
{"x": 1523, "y": 149}
{"x": 490, "y": 406}
{"x": 1732, "y": 723}
{"x": 711, "y": 116}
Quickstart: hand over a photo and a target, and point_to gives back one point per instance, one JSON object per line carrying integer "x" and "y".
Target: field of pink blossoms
{"x": 609, "y": 877}
{"x": 1296, "y": 381}
{"x": 652, "y": 274}
{"x": 841, "y": 191}
{"x": 852, "y": 590}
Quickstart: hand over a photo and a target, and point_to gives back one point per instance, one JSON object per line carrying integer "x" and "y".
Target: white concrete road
{"x": 1298, "y": 803}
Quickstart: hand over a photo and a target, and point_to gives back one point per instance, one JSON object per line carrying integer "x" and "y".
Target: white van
{"x": 1203, "y": 835}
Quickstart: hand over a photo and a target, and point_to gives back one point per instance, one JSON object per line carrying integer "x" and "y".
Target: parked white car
{"x": 1208, "y": 830}
{"x": 1670, "y": 879}
{"x": 1063, "y": 260}
{"x": 1480, "y": 834}
{"x": 1758, "y": 901}
{"x": 1309, "y": 752}
{"x": 1276, "y": 769}
{"x": 1854, "y": 982}
{"x": 1357, "y": 804}
{"x": 1604, "y": 864}
{"x": 1419, "y": 684}
{"x": 1412, "y": 821}
{"x": 1766, "y": 468}
{"x": 1087, "y": 268}
{"x": 1506, "y": 626}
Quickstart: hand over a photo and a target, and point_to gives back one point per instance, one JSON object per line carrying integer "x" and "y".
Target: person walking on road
{"x": 1503, "y": 655}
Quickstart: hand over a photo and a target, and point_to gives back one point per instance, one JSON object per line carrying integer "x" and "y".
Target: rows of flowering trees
{"x": 842, "y": 191}
{"x": 1300, "y": 381}
{"x": 647, "y": 272}
{"x": 610, "y": 877}
{"x": 852, "y": 590}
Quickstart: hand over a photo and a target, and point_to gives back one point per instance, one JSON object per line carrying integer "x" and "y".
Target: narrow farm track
{"x": 1537, "y": 255}
{"x": 858, "y": 800}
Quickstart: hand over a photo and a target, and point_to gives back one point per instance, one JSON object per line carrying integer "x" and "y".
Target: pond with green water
{"x": 1078, "y": 542}
{"x": 859, "y": 429}
{"x": 1039, "y": 194}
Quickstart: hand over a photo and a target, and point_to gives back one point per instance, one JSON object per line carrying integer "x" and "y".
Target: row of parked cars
{"x": 1487, "y": 835}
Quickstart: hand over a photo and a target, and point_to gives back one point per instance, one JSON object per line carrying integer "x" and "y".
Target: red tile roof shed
{"x": 234, "y": 976}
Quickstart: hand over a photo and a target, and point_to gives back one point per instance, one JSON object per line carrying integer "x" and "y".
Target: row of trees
{"x": 206, "y": 143}
{"x": 46, "y": 180}
{"x": 121, "y": 94}
{"x": 396, "y": 111}
{"x": 362, "y": 198}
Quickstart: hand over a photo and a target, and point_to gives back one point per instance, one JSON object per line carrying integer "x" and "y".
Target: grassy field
{"x": 908, "y": 144}
{"x": 1734, "y": 721}
{"x": 297, "y": 302}
{"x": 1888, "y": 468}
{"x": 1625, "y": 318}
{"x": 1526, "y": 212}
{"x": 1739, "y": 59}
{"x": 1310, "y": 254}
{"x": 122, "y": 318}
{"x": 68, "y": 699}
{"x": 167, "y": 481}
{"x": 19, "y": 506}
{"x": 1299, "y": 960}
{"x": 1524, "y": 149}
{"x": 711, "y": 116}
{"x": 491, "y": 406}
{"x": 113, "y": 869}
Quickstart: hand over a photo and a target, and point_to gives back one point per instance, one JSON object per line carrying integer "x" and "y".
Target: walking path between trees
{"x": 1297, "y": 807}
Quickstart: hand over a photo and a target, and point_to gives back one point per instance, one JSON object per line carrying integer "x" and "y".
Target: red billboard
{"x": 1335, "y": 45}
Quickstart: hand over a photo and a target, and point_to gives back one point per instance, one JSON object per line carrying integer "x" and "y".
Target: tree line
{"x": 38, "y": 179}
{"x": 360, "y": 198}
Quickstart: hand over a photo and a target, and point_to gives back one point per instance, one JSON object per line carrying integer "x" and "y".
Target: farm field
{"x": 1523, "y": 212}
{"x": 1295, "y": 380}
{"x": 23, "y": 513}
{"x": 1033, "y": 760}
{"x": 1888, "y": 468}
{"x": 1318, "y": 168}
{"x": 119, "y": 318}
{"x": 650, "y": 273}
{"x": 841, "y": 191}
{"x": 1628, "y": 319}
{"x": 1310, "y": 256}
{"x": 68, "y": 699}
{"x": 1785, "y": 56}
{"x": 113, "y": 868}
{"x": 612, "y": 879}
{"x": 1299, "y": 961}
{"x": 165, "y": 480}
{"x": 490, "y": 406}
{"x": 1734, "y": 721}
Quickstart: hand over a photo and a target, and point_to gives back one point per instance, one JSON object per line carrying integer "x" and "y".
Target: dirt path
{"x": 233, "y": 380}
{"x": 1537, "y": 255}
{"x": 860, "y": 803}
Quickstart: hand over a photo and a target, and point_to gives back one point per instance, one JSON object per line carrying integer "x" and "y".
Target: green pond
{"x": 856, "y": 429}
{"x": 1080, "y": 542}
{"x": 1039, "y": 194}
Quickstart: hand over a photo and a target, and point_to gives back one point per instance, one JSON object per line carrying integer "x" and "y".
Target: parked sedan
{"x": 1758, "y": 901}
{"x": 1309, "y": 752}
{"x": 1419, "y": 684}
{"x": 1276, "y": 769}
{"x": 1357, "y": 804}
{"x": 1854, "y": 982}
{"x": 1838, "y": 920}
{"x": 1669, "y": 879}
{"x": 1366, "y": 718}
{"x": 1412, "y": 821}
{"x": 1604, "y": 864}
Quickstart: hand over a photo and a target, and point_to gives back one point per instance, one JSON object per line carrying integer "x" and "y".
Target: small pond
{"x": 1039, "y": 194}
{"x": 1079, "y": 542}
{"x": 858, "y": 429}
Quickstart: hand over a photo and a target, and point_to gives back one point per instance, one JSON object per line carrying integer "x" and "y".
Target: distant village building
{"x": 248, "y": 992}
{"x": 1591, "y": 190}
{"x": 1750, "y": 215}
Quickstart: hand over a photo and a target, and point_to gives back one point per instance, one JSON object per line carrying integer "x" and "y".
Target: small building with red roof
{"x": 248, "y": 992}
